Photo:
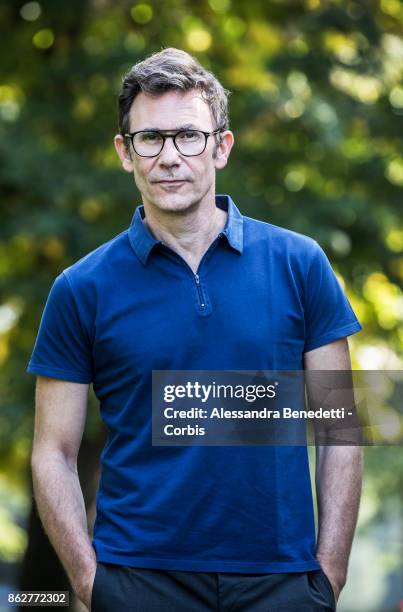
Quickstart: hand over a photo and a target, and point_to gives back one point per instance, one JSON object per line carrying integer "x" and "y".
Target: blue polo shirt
{"x": 263, "y": 296}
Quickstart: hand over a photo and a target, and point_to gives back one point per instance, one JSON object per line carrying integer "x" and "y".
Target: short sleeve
{"x": 328, "y": 313}
{"x": 62, "y": 347}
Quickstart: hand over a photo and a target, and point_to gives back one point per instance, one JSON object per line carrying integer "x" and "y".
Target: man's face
{"x": 171, "y": 181}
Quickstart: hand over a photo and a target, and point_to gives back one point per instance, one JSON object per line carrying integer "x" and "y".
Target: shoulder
{"x": 281, "y": 241}
{"x": 100, "y": 262}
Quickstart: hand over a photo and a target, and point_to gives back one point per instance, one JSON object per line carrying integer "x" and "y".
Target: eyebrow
{"x": 187, "y": 126}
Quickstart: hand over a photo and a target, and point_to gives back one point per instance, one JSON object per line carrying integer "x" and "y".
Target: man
{"x": 191, "y": 285}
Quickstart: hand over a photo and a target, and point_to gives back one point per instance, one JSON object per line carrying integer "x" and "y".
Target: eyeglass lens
{"x": 189, "y": 142}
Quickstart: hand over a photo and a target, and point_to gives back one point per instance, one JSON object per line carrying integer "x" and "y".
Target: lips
{"x": 169, "y": 181}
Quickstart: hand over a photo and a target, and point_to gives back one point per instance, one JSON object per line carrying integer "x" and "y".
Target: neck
{"x": 188, "y": 233}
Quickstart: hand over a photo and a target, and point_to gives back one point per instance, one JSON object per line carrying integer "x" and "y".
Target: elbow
{"x": 39, "y": 456}
{"x": 358, "y": 454}
{"x": 35, "y": 459}
{"x": 44, "y": 458}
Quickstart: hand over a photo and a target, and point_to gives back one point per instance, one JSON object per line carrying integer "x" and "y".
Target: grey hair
{"x": 172, "y": 70}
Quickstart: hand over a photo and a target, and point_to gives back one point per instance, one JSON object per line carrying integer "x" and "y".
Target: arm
{"x": 59, "y": 423}
{"x": 338, "y": 480}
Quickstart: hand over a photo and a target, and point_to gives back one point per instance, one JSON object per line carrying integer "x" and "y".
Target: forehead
{"x": 170, "y": 110}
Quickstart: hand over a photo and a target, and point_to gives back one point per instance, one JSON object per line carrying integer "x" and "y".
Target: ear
{"x": 224, "y": 149}
{"x": 124, "y": 155}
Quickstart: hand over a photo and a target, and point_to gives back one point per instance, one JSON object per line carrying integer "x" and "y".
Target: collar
{"x": 143, "y": 241}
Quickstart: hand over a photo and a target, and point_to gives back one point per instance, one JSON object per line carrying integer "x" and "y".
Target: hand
{"x": 336, "y": 580}
{"x": 85, "y": 588}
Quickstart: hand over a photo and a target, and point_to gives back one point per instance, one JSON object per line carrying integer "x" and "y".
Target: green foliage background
{"x": 316, "y": 106}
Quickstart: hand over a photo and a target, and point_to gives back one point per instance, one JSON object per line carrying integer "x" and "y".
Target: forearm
{"x": 338, "y": 487}
{"x": 61, "y": 508}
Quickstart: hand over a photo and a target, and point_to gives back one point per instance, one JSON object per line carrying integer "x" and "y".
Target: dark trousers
{"x": 132, "y": 589}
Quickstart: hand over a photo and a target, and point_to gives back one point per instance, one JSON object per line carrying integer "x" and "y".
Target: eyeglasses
{"x": 149, "y": 143}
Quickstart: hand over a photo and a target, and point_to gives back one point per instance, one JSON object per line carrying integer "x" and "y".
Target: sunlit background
{"x": 316, "y": 109}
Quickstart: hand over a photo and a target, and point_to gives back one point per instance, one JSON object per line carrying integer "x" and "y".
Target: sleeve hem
{"x": 336, "y": 334}
{"x": 52, "y": 372}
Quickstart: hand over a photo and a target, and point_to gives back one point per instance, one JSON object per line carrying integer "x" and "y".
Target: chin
{"x": 175, "y": 203}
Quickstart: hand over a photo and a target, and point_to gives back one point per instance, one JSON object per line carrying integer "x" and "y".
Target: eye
{"x": 189, "y": 136}
{"x": 149, "y": 137}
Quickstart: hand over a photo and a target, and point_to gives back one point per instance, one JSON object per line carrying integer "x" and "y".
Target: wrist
{"x": 84, "y": 583}
{"x": 335, "y": 573}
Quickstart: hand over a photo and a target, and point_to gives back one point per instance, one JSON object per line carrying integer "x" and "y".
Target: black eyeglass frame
{"x": 173, "y": 136}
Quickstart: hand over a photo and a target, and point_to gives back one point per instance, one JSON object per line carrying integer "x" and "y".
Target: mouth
{"x": 171, "y": 185}
{"x": 171, "y": 182}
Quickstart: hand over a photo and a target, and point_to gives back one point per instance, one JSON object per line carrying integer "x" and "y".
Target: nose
{"x": 169, "y": 155}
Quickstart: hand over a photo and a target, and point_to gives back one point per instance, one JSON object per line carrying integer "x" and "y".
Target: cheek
{"x": 140, "y": 173}
{"x": 205, "y": 169}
